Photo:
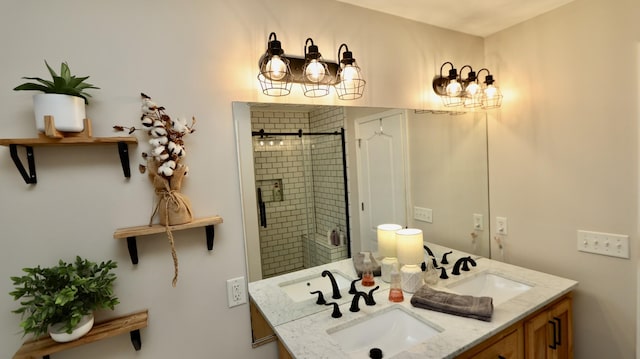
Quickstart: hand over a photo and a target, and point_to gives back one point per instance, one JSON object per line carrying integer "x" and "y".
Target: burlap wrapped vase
{"x": 173, "y": 207}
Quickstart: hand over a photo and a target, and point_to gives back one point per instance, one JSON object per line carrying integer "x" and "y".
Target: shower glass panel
{"x": 300, "y": 190}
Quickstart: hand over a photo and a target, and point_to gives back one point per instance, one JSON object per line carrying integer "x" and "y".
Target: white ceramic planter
{"x": 68, "y": 111}
{"x": 59, "y": 335}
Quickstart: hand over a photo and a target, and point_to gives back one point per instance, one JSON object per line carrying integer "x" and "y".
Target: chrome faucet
{"x": 464, "y": 262}
{"x": 334, "y": 284}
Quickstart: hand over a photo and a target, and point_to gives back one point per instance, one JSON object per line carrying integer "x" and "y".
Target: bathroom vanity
{"x": 532, "y": 315}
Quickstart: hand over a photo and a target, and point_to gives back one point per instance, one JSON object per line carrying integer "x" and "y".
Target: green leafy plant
{"x": 64, "y": 84}
{"x": 63, "y": 294}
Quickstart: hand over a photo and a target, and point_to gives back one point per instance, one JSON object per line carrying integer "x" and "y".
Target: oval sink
{"x": 486, "y": 284}
{"x": 298, "y": 289}
{"x": 392, "y": 331}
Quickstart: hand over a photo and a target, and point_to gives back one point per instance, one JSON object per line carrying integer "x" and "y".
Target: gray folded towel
{"x": 358, "y": 264}
{"x": 480, "y": 308}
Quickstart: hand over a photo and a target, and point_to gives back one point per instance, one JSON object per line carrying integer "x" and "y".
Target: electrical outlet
{"x": 501, "y": 223}
{"x": 236, "y": 292}
{"x": 423, "y": 214}
{"x": 615, "y": 245}
{"x": 478, "y": 222}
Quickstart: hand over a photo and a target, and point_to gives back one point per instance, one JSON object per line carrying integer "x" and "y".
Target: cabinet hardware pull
{"x": 555, "y": 335}
{"x": 559, "y": 341}
{"x": 501, "y": 357}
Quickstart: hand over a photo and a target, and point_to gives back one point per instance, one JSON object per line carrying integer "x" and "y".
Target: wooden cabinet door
{"x": 549, "y": 335}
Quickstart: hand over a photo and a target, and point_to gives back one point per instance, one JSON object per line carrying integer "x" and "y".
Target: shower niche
{"x": 269, "y": 190}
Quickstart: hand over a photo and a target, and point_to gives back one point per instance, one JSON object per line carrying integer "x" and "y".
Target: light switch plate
{"x": 501, "y": 223}
{"x": 423, "y": 214}
{"x": 478, "y": 222}
{"x": 608, "y": 244}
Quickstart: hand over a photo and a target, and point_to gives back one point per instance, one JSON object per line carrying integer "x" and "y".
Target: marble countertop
{"x": 303, "y": 327}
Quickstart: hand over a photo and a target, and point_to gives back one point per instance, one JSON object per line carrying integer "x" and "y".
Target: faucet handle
{"x": 352, "y": 289}
{"x": 336, "y": 310}
{"x": 443, "y": 273}
{"x": 369, "y": 298}
{"x": 444, "y": 258}
{"x": 320, "y": 297}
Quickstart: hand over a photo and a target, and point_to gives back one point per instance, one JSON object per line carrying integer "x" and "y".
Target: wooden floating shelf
{"x": 43, "y": 347}
{"x": 53, "y": 137}
{"x": 130, "y": 233}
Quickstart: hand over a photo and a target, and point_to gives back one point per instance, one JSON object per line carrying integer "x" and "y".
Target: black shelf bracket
{"x": 123, "y": 151}
{"x": 132, "y": 244}
{"x": 210, "y": 233}
{"x": 135, "y": 339}
{"x": 133, "y": 249}
{"x": 30, "y": 177}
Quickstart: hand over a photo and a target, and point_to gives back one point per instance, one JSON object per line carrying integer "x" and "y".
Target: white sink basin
{"x": 298, "y": 289}
{"x": 487, "y": 284}
{"x": 392, "y": 331}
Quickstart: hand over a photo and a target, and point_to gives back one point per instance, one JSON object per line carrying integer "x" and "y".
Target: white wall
{"x": 194, "y": 58}
{"x": 564, "y": 156}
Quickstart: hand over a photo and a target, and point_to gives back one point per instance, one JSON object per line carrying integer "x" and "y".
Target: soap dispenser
{"x": 431, "y": 274}
{"x": 367, "y": 271}
{"x": 395, "y": 289}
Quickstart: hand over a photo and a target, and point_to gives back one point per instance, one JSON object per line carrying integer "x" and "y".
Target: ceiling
{"x": 475, "y": 17}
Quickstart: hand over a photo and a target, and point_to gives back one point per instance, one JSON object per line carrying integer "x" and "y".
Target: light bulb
{"x": 454, "y": 88}
{"x": 350, "y": 73}
{"x": 490, "y": 92}
{"x": 472, "y": 89}
{"x": 261, "y": 142}
{"x": 276, "y": 68}
{"x": 314, "y": 71}
{"x": 271, "y": 143}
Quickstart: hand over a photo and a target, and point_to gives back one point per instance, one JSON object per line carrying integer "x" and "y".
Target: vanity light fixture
{"x": 349, "y": 83}
{"x": 275, "y": 73}
{"x": 448, "y": 87}
{"x": 456, "y": 91}
{"x": 491, "y": 95}
{"x": 472, "y": 94}
{"x": 315, "y": 74}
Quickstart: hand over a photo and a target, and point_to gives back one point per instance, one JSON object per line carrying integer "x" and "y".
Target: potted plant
{"x": 60, "y": 298}
{"x": 62, "y": 97}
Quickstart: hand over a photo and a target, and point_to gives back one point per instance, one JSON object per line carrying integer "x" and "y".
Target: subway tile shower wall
{"x": 312, "y": 188}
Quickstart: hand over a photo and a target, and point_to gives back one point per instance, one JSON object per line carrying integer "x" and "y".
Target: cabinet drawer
{"x": 509, "y": 347}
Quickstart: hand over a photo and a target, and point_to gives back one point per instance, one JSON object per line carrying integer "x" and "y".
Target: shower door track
{"x": 340, "y": 133}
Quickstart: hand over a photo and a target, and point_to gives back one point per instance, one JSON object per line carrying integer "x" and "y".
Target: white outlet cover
{"x": 236, "y": 292}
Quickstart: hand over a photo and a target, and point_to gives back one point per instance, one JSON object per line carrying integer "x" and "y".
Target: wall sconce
{"x": 278, "y": 72}
{"x": 349, "y": 84}
{"x": 491, "y": 95}
{"x": 456, "y": 91}
{"x": 275, "y": 74}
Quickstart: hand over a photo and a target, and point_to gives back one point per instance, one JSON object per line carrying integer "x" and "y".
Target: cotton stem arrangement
{"x": 163, "y": 164}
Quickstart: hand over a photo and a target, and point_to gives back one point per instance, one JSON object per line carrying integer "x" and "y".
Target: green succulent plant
{"x": 63, "y": 294}
{"x": 64, "y": 84}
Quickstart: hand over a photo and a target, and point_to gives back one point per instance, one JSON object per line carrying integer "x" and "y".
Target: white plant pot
{"x": 58, "y": 334}
{"x": 68, "y": 111}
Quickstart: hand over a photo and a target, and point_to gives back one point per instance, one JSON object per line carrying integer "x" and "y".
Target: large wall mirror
{"x": 317, "y": 180}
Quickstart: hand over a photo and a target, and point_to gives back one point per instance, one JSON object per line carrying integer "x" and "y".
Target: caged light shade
{"x": 317, "y": 78}
{"x": 275, "y": 73}
{"x": 349, "y": 82}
